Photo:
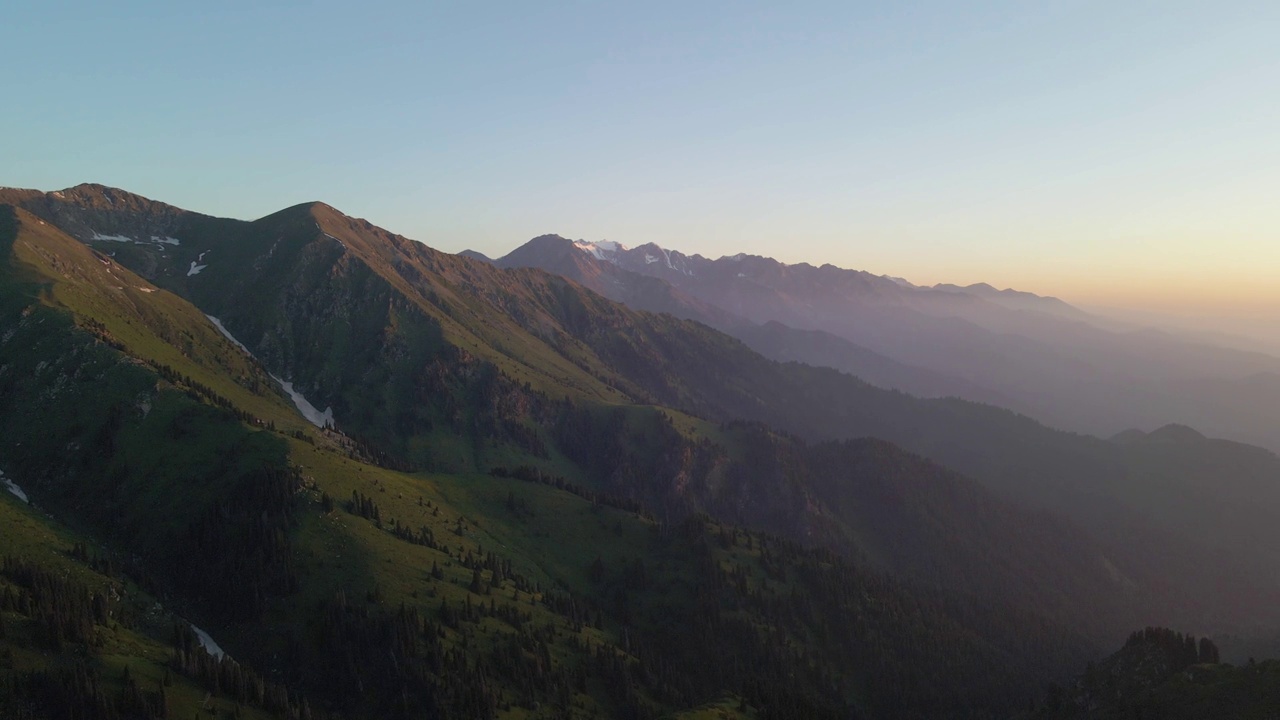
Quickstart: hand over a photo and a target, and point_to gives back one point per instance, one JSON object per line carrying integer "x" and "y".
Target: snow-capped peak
{"x": 647, "y": 255}
{"x": 601, "y": 249}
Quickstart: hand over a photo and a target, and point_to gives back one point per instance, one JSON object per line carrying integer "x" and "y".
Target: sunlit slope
{"x": 308, "y": 563}
{"x": 447, "y": 363}
{"x": 126, "y": 311}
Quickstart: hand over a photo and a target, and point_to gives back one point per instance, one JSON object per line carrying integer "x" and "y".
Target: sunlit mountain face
{"x": 258, "y": 449}
{"x": 549, "y": 361}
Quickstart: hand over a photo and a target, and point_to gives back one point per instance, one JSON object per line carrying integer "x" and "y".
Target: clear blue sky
{"x": 1101, "y": 151}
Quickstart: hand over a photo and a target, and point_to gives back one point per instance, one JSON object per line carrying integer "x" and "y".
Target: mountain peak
{"x": 601, "y": 249}
{"x": 96, "y": 196}
{"x": 475, "y": 255}
{"x": 91, "y": 187}
{"x": 92, "y": 211}
{"x": 540, "y": 251}
{"x": 314, "y": 210}
{"x": 549, "y": 241}
{"x": 1174, "y": 432}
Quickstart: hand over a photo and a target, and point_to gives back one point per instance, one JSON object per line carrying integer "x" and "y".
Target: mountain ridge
{"x": 1037, "y": 355}
{"x": 651, "y": 359}
{"x": 330, "y": 592}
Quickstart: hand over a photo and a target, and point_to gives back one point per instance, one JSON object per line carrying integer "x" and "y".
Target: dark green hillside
{"x": 1163, "y": 674}
{"x": 1203, "y": 480}
{"x": 869, "y": 500}
{"x": 562, "y": 549}
{"x": 80, "y": 640}
{"x": 171, "y": 469}
{"x": 439, "y": 361}
{"x": 374, "y": 593}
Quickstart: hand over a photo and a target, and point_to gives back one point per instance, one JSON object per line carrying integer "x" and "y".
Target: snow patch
{"x": 649, "y": 260}
{"x": 112, "y": 238}
{"x": 207, "y": 643}
{"x": 589, "y": 248}
{"x": 147, "y": 290}
{"x": 742, "y": 274}
{"x": 601, "y": 249}
{"x": 227, "y": 334}
{"x": 666, "y": 256}
{"x": 160, "y": 240}
{"x": 195, "y": 267}
{"x": 309, "y": 411}
{"x": 13, "y": 488}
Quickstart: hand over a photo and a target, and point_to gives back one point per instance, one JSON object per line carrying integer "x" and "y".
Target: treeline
{"x": 64, "y": 611}
{"x": 1153, "y": 676}
{"x": 224, "y": 677}
{"x": 531, "y": 474}
{"x": 70, "y": 621}
{"x": 99, "y": 331}
{"x": 447, "y": 661}
{"x": 1181, "y": 650}
{"x": 209, "y": 395}
{"x": 366, "y": 450}
{"x": 67, "y": 619}
{"x": 701, "y": 609}
{"x": 369, "y": 660}
{"x": 500, "y": 571}
{"x": 238, "y": 552}
{"x": 803, "y": 634}
{"x": 866, "y": 499}
{"x": 79, "y": 692}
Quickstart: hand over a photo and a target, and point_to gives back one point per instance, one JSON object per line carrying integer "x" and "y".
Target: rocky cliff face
{"x": 91, "y": 212}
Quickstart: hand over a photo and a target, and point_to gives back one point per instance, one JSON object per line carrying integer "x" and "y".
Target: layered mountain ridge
{"x": 1037, "y": 355}
{"x": 164, "y": 443}
{"x": 458, "y": 368}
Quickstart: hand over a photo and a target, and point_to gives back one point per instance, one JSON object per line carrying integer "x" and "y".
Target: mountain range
{"x": 534, "y": 478}
{"x": 1036, "y": 355}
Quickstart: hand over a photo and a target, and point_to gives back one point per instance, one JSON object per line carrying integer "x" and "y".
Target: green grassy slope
{"x": 445, "y": 363}
{"x": 138, "y": 318}
{"x": 377, "y": 593}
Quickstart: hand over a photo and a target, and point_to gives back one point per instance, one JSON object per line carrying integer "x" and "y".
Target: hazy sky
{"x": 1121, "y": 153}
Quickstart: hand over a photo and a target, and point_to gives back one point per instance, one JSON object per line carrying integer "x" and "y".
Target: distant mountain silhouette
{"x": 1037, "y": 355}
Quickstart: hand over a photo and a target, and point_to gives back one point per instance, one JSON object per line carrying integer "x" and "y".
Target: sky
{"x": 1114, "y": 154}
